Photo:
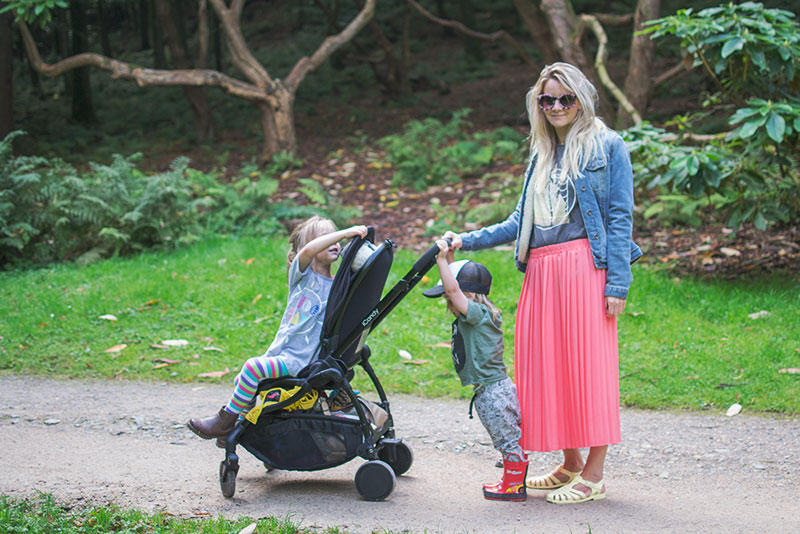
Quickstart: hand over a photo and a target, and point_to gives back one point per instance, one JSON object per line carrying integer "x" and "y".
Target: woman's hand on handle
{"x": 455, "y": 240}
{"x": 614, "y": 306}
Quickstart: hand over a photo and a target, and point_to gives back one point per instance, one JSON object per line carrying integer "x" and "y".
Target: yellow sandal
{"x": 570, "y": 495}
{"x": 551, "y": 481}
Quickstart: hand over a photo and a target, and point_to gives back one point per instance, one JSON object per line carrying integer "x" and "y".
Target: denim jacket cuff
{"x": 616, "y": 291}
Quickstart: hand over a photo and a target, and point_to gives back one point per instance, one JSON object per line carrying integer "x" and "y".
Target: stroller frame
{"x": 354, "y": 309}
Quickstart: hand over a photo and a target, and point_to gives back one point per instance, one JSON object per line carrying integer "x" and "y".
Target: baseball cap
{"x": 471, "y": 276}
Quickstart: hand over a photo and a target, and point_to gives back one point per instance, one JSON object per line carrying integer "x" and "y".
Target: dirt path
{"x": 95, "y": 442}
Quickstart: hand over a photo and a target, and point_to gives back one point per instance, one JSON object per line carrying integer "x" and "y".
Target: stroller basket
{"x": 305, "y": 442}
{"x": 313, "y": 440}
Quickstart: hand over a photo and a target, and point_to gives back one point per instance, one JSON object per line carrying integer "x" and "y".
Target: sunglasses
{"x": 548, "y": 102}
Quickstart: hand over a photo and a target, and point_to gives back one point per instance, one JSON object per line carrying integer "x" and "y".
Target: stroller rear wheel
{"x": 397, "y": 454}
{"x": 375, "y": 480}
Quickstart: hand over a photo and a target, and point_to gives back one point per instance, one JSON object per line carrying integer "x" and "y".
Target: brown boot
{"x": 216, "y": 426}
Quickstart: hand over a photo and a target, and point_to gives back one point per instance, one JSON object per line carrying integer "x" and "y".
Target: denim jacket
{"x": 605, "y": 198}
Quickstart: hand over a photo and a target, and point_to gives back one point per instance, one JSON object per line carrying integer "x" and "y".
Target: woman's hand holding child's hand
{"x": 454, "y": 238}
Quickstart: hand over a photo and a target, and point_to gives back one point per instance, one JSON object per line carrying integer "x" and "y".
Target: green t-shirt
{"x": 477, "y": 346}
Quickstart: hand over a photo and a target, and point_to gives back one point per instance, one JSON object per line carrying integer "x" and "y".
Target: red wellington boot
{"x": 512, "y": 486}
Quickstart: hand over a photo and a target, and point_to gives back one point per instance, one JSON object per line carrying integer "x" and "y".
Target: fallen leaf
{"x": 166, "y": 363}
{"x": 256, "y": 299}
{"x": 417, "y": 362}
{"x": 442, "y": 345}
{"x": 249, "y": 529}
{"x": 730, "y": 251}
{"x": 213, "y": 348}
{"x": 175, "y": 342}
{"x": 151, "y": 302}
{"x": 116, "y": 349}
{"x": 158, "y": 346}
{"x": 108, "y": 317}
{"x": 215, "y": 374}
{"x": 759, "y": 315}
{"x": 734, "y": 409}
{"x": 404, "y": 354}
{"x": 251, "y": 260}
{"x": 790, "y": 371}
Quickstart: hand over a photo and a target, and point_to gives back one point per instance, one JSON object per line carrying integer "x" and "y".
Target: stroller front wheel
{"x": 227, "y": 480}
{"x": 375, "y": 480}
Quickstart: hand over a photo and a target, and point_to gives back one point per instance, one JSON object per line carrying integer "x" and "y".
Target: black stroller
{"x": 311, "y": 440}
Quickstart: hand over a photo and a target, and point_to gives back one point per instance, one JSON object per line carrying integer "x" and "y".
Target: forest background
{"x": 140, "y": 127}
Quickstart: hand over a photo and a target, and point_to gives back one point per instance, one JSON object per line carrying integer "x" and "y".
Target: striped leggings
{"x": 246, "y": 383}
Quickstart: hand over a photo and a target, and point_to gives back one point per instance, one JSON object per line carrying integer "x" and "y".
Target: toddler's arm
{"x": 449, "y": 282}
{"x": 318, "y": 244}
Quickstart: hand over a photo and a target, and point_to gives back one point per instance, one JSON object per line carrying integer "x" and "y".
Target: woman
{"x": 573, "y": 227}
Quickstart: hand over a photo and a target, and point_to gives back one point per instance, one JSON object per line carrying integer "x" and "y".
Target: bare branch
{"x": 328, "y": 46}
{"x": 610, "y": 19}
{"x": 240, "y": 52}
{"x": 693, "y": 138}
{"x": 142, "y": 76}
{"x": 684, "y": 66}
{"x": 500, "y": 34}
{"x": 600, "y": 65}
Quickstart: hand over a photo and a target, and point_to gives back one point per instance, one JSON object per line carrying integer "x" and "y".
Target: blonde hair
{"x": 583, "y": 137}
{"x": 480, "y": 298}
{"x": 306, "y": 232}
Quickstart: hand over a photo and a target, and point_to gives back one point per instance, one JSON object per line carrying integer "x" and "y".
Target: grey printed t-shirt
{"x": 557, "y": 217}
{"x": 297, "y": 340}
{"x": 477, "y": 347}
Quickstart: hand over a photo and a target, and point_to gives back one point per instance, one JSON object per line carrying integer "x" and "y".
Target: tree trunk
{"x": 144, "y": 24}
{"x": 197, "y": 97}
{"x": 277, "y": 123}
{"x": 537, "y": 25}
{"x": 156, "y": 36}
{"x": 82, "y": 107}
{"x": 6, "y": 74}
{"x": 102, "y": 15}
{"x": 638, "y": 84}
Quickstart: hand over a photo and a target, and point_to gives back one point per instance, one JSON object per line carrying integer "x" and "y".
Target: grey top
{"x": 555, "y": 217}
{"x": 297, "y": 340}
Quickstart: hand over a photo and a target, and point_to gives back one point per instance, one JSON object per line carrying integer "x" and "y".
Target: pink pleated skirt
{"x": 566, "y": 353}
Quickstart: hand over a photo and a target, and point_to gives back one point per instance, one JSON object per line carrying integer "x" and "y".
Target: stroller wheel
{"x": 375, "y": 480}
{"x": 227, "y": 480}
{"x": 398, "y": 455}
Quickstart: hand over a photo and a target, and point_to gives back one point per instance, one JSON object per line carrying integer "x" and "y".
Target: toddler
{"x": 477, "y": 349}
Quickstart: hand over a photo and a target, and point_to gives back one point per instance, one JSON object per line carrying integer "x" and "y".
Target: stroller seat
{"x": 322, "y": 437}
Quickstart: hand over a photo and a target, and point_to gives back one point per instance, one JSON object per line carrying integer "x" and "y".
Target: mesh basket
{"x": 301, "y": 442}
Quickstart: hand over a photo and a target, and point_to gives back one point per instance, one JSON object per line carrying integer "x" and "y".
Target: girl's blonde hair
{"x": 306, "y": 232}
{"x": 583, "y": 137}
{"x": 480, "y": 298}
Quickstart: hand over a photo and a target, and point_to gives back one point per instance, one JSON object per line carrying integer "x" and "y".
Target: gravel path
{"x": 95, "y": 442}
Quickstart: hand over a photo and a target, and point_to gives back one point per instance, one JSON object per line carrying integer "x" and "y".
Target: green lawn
{"x": 683, "y": 343}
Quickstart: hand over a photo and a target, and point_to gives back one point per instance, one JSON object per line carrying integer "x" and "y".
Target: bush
{"x": 752, "y": 175}
{"x": 429, "y": 152}
{"x": 50, "y": 213}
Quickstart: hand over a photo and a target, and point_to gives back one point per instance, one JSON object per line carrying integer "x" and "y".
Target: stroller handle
{"x": 429, "y": 256}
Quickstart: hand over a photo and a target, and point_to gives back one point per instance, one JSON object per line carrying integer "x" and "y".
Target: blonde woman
{"x": 313, "y": 248}
{"x": 573, "y": 230}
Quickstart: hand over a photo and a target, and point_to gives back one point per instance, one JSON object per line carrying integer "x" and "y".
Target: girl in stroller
{"x": 314, "y": 247}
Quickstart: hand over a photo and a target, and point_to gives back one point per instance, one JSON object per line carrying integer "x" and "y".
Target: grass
{"x": 43, "y": 515}
{"x": 683, "y": 343}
